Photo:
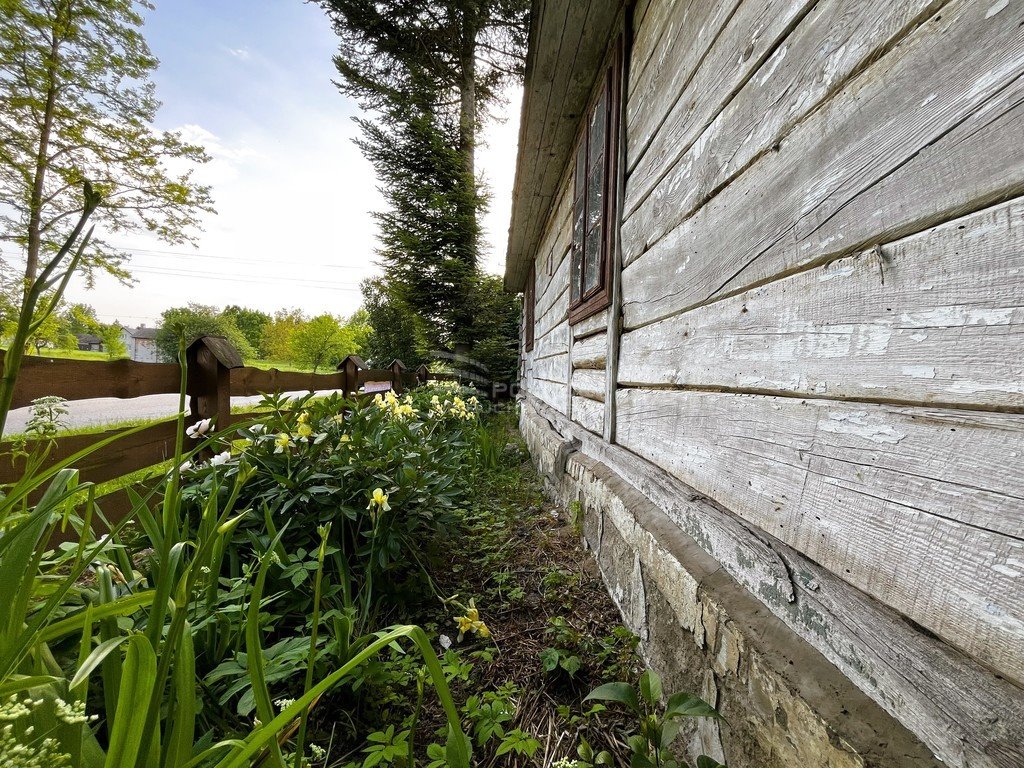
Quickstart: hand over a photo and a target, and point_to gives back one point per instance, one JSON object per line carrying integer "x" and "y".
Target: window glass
{"x": 593, "y": 202}
{"x": 592, "y": 269}
{"x": 597, "y": 131}
{"x": 595, "y": 197}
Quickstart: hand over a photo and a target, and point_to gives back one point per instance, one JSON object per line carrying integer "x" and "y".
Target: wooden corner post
{"x": 422, "y": 374}
{"x": 210, "y": 360}
{"x": 397, "y": 369}
{"x": 350, "y": 368}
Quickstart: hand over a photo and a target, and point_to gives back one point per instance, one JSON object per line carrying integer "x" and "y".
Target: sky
{"x": 251, "y": 80}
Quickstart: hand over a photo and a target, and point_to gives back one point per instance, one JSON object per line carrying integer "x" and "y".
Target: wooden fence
{"x": 215, "y": 374}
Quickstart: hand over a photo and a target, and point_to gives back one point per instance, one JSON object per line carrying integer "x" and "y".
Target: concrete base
{"x": 785, "y": 704}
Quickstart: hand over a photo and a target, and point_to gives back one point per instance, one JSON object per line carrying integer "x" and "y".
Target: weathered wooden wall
{"x": 546, "y": 367}
{"x": 823, "y": 292}
{"x": 823, "y": 289}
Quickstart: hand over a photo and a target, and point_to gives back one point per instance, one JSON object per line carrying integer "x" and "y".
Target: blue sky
{"x": 251, "y": 81}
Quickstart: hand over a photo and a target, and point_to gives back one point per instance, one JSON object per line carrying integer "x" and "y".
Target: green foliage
{"x": 494, "y": 331}
{"x": 612, "y": 654}
{"x": 252, "y": 324}
{"x": 277, "y": 337}
{"x": 113, "y": 343}
{"x": 394, "y": 328}
{"x": 428, "y": 72}
{"x": 324, "y": 341}
{"x": 81, "y": 98}
{"x": 188, "y": 323}
{"x": 319, "y": 461}
{"x": 429, "y": 232}
{"x": 135, "y": 637}
{"x": 657, "y": 725}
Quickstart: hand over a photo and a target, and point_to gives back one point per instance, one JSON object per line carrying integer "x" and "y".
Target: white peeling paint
{"x": 997, "y": 8}
{"x": 856, "y": 423}
{"x": 955, "y": 316}
{"x": 919, "y": 371}
{"x": 968, "y": 387}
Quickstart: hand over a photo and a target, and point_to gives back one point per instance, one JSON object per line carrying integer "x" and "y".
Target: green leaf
{"x": 688, "y": 705}
{"x": 650, "y": 687}
{"x": 708, "y": 762}
{"x": 99, "y": 653}
{"x": 571, "y": 664}
{"x": 138, "y": 677}
{"x": 623, "y": 693}
{"x": 183, "y": 720}
{"x": 549, "y": 659}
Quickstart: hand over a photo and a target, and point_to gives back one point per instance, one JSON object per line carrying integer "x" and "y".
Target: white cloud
{"x": 240, "y": 53}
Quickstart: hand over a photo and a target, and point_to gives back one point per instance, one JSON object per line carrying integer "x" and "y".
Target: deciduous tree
{"x": 253, "y": 325}
{"x": 77, "y": 142}
{"x": 319, "y": 342}
{"x": 190, "y": 322}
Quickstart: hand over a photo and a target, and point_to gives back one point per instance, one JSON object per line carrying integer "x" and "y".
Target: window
{"x": 594, "y": 197}
{"x": 529, "y": 300}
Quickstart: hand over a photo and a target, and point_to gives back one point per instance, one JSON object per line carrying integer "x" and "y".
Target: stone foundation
{"x": 785, "y": 705}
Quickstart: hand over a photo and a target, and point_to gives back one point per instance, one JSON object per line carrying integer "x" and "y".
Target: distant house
{"x": 141, "y": 343}
{"x": 87, "y": 342}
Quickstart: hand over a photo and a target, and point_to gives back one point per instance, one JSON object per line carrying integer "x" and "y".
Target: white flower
{"x": 258, "y": 429}
{"x": 220, "y": 458}
{"x": 283, "y": 704}
{"x": 199, "y": 429}
{"x": 446, "y": 642}
{"x": 185, "y": 466}
{"x": 73, "y": 713}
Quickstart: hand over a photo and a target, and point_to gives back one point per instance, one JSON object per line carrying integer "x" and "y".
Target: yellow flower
{"x": 304, "y": 417}
{"x": 379, "y": 499}
{"x": 283, "y": 440}
{"x": 471, "y": 623}
{"x": 304, "y": 430}
{"x": 344, "y": 439}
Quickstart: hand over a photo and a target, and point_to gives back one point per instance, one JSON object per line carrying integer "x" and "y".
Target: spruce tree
{"x": 427, "y": 72}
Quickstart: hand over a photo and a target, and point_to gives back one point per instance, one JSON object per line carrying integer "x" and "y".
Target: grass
{"x": 282, "y": 365}
{"x": 72, "y": 354}
{"x": 103, "y": 357}
{"x": 95, "y": 429}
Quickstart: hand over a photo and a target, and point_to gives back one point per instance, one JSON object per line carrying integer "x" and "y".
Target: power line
{"x": 258, "y": 279}
{"x": 191, "y": 254}
{"x": 148, "y": 251}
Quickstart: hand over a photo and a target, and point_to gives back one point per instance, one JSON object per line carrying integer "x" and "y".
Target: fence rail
{"x": 215, "y": 375}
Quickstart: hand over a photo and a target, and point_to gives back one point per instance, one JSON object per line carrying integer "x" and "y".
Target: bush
{"x": 108, "y": 668}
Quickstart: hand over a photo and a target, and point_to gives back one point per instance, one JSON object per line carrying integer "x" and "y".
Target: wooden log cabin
{"x": 772, "y": 259}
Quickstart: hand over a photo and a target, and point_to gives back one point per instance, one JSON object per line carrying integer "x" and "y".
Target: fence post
{"x": 210, "y": 360}
{"x": 422, "y": 374}
{"x": 350, "y": 368}
{"x": 397, "y": 368}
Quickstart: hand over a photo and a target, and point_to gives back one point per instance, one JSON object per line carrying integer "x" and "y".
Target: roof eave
{"x": 561, "y": 68}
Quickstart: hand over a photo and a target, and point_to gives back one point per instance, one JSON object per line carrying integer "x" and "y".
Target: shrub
{"x": 106, "y": 670}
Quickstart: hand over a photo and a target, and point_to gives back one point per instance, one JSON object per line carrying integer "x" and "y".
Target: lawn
{"x": 71, "y": 354}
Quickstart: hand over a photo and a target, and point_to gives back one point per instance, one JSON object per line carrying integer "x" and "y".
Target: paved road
{"x": 108, "y": 410}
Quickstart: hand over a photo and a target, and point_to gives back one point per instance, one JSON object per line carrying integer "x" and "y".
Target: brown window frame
{"x": 529, "y": 302}
{"x": 585, "y": 303}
